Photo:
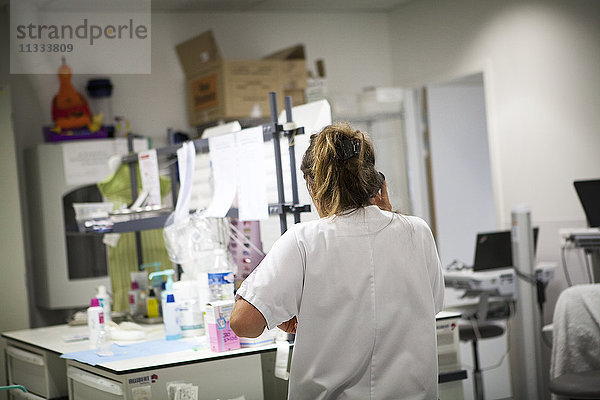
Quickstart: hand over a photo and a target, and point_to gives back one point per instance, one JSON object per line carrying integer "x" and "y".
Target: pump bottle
{"x": 169, "y": 307}
{"x": 172, "y": 329}
{"x": 104, "y": 300}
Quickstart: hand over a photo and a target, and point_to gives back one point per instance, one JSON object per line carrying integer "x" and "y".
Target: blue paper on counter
{"x": 128, "y": 352}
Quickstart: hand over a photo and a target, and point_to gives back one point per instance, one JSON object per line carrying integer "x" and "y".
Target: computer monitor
{"x": 494, "y": 250}
{"x": 589, "y": 196}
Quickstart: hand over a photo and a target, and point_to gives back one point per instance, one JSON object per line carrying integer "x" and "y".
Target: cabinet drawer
{"x": 41, "y": 373}
{"x": 85, "y": 385}
{"x": 19, "y": 395}
{"x": 27, "y": 369}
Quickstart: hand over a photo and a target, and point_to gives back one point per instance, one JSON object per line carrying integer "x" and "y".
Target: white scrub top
{"x": 365, "y": 288}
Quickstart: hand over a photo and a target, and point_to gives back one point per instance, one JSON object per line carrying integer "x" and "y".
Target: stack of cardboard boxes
{"x": 220, "y": 89}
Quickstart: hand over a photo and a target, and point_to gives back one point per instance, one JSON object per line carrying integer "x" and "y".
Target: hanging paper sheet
{"x": 252, "y": 192}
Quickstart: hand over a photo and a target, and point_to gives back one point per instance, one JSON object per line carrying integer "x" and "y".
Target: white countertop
{"x": 55, "y": 339}
{"x": 163, "y": 360}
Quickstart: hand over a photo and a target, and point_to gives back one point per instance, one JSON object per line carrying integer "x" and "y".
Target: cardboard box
{"x": 218, "y": 314}
{"x": 222, "y": 89}
{"x": 293, "y": 72}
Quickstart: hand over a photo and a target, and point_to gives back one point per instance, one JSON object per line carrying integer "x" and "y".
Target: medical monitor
{"x": 494, "y": 250}
{"x": 589, "y": 196}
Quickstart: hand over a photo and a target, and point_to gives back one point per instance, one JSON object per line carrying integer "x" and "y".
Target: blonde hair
{"x": 339, "y": 169}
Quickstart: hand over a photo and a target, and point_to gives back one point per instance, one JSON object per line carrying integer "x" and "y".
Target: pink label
{"x": 131, "y": 299}
{"x": 101, "y": 318}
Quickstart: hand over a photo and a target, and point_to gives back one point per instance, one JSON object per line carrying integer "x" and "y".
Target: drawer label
{"x": 143, "y": 379}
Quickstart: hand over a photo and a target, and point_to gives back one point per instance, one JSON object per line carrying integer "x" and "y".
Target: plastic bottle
{"x": 189, "y": 309}
{"x": 152, "y": 305}
{"x": 163, "y": 295}
{"x": 104, "y": 300}
{"x": 220, "y": 277}
{"x": 95, "y": 315}
{"x": 134, "y": 299}
{"x": 172, "y": 329}
{"x": 103, "y": 343}
{"x": 168, "y": 305}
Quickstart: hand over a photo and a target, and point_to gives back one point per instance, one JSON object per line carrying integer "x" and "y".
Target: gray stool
{"x": 582, "y": 385}
{"x": 467, "y": 333}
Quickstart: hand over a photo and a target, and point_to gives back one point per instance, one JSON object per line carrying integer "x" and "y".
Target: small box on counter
{"x": 218, "y": 314}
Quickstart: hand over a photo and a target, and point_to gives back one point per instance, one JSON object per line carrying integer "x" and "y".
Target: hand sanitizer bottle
{"x": 172, "y": 329}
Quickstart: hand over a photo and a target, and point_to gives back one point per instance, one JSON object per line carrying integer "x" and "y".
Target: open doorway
{"x": 452, "y": 188}
{"x": 448, "y": 161}
{"x": 461, "y": 179}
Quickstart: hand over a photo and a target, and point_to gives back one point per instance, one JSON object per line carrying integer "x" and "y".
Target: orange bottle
{"x": 69, "y": 108}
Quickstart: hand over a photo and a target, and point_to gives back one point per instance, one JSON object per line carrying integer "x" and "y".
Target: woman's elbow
{"x": 241, "y": 331}
{"x": 237, "y": 325}
{"x": 244, "y": 324}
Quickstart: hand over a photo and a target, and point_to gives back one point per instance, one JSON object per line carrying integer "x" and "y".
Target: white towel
{"x": 576, "y": 331}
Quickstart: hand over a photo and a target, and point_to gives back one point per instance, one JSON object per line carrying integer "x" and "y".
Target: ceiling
{"x": 346, "y": 6}
{"x": 277, "y": 5}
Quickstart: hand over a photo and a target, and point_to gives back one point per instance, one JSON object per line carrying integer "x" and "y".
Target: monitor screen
{"x": 494, "y": 250}
{"x": 589, "y": 196}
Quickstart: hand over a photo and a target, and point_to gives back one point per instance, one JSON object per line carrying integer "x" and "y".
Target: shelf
{"x": 272, "y": 131}
{"x": 367, "y": 118}
{"x": 158, "y": 222}
{"x": 140, "y": 224}
{"x": 202, "y": 144}
{"x": 586, "y": 241}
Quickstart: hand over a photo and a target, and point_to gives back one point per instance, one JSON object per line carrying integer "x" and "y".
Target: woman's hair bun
{"x": 339, "y": 168}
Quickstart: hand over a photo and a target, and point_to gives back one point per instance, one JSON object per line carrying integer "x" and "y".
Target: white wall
{"x": 541, "y": 61}
{"x": 156, "y": 101}
{"x": 13, "y": 286}
{"x": 15, "y": 313}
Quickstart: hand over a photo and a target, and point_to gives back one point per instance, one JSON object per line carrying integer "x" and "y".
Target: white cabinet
{"x": 41, "y": 372}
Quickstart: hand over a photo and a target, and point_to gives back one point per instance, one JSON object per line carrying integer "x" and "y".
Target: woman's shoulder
{"x": 417, "y": 224}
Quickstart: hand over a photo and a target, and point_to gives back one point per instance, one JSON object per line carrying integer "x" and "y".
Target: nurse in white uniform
{"x": 360, "y": 287}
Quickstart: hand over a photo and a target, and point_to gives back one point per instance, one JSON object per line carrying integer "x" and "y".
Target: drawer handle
{"x": 25, "y": 356}
{"x": 94, "y": 381}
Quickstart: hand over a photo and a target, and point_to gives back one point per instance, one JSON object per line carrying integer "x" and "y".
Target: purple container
{"x": 74, "y": 134}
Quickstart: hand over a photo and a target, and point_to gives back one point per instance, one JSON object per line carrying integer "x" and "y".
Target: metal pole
{"x": 292, "y": 150}
{"x": 173, "y": 169}
{"x": 278, "y": 168}
{"x": 134, "y": 194}
{"x": 526, "y": 356}
{"x": 595, "y": 262}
